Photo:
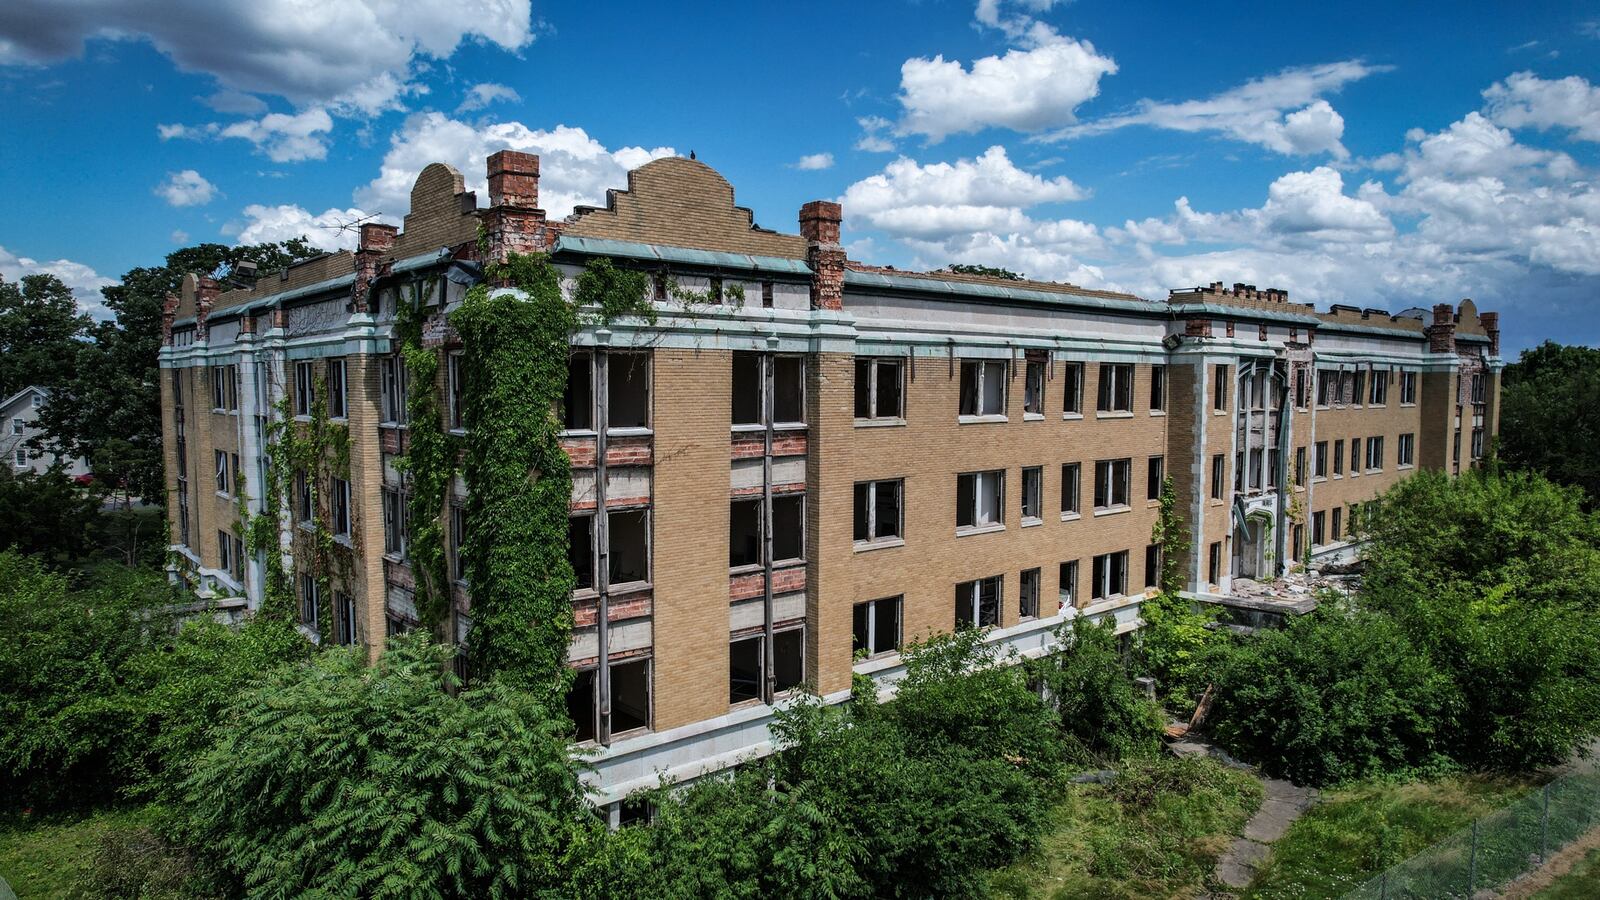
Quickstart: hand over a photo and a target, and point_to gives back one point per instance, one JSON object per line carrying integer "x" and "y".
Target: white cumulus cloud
{"x": 333, "y": 229}
{"x": 1525, "y": 100}
{"x": 815, "y": 161}
{"x": 186, "y": 188}
{"x": 84, "y": 281}
{"x": 479, "y": 96}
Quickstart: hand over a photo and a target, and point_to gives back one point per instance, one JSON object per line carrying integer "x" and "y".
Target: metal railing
{"x": 1497, "y": 848}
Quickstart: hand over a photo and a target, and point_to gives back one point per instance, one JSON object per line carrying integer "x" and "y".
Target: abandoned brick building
{"x": 849, "y": 458}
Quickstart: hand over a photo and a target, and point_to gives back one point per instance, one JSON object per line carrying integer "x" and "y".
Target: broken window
{"x": 744, "y": 669}
{"x": 744, "y": 532}
{"x": 978, "y": 603}
{"x": 746, "y": 388}
{"x": 1375, "y": 453}
{"x": 1152, "y": 565}
{"x": 339, "y": 507}
{"x": 1358, "y": 387}
{"x": 878, "y": 514}
{"x": 393, "y": 373}
{"x": 1333, "y": 532}
{"x": 1028, "y": 594}
{"x": 581, "y": 706}
{"x": 344, "y": 619}
{"x": 1380, "y": 389}
{"x": 1067, "y": 584}
{"x": 1219, "y": 397}
{"x": 222, "y": 472}
{"x": 628, "y": 537}
{"x": 980, "y": 499}
{"x": 1355, "y": 456}
{"x": 1408, "y": 388}
{"x": 305, "y": 508}
{"x": 879, "y": 388}
{"x": 788, "y": 659}
{"x": 458, "y": 537}
{"x": 224, "y": 388}
{"x": 983, "y": 388}
{"x": 1238, "y": 472}
{"x": 1300, "y": 466}
{"x": 577, "y": 402}
{"x": 338, "y": 401}
{"x": 394, "y": 523}
{"x": 1299, "y": 534}
{"x": 1338, "y": 456}
{"x": 1214, "y": 563}
{"x": 310, "y": 601}
{"x": 1116, "y": 388}
{"x": 1219, "y": 475}
{"x": 1316, "y": 528}
{"x": 1072, "y": 388}
{"x": 1155, "y": 475}
{"x": 1405, "y": 450}
{"x": 454, "y": 390}
{"x": 1069, "y": 488}
{"x": 788, "y": 527}
{"x": 627, "y": 390}
{"x": 1302, "y": 389}
{"x": 1110, "y": 575}
{"x": 580, "y": 550}
{"x": 788, "y": 388}
{"x": 224, "y": 551}
{"x": 1032, "y": 493}
{"x": 630, "y": 695}
{"x": 304, "y": 388}
{"x": 1158, "y": 388}
{"x": 1033, "y": 388}
{"x": 875, "y": 627}
{"x": 1111, "y": 483}
{"x": 1255, "y": 468}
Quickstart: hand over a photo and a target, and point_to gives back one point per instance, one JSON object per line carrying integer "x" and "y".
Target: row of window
{"x": 335, "y": 381}
{"x": 339, "y": 504}
{"x": 1342, "y": 388}
{"x": 984, "y": 385}
{"x": 1327, "y": 525}
{"x": 343, "y": 611}
{"x": 1364, "y": 456}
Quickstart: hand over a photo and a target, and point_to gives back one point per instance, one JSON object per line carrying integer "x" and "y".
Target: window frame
{"x": 341, "y": 516}
{"x": 1067, "y": 584}
{"x": 1406, "y": 450}
{"x": 1029, "y": 608}
{"x": 1072, "y": 390}
{"x": 1037, "y": 477}
{"x": 1220, "y": 390}
{"x": 1113, "y": 387}
{"x": 1071, "y": 489}
{"x": 1219, "y": 476}
{"x": 873, "y": 539}
{"x": 975, "y": 588}
{"x": 1158, "y": 389}
{"x": 999, "y": 496}
{"x": 869, "y": 640}
{"x": 393, "y": 389}
{"x": 338, "y": 389}
{"x": 1105, "y": 576}
{"x": 871, "y": 365}
{"x": 305, "y": 388}
{"x": 1033, "y": 388}
{"x": 1111, "y": 481}
{"x": 982, "y": 371}
{"x": 1155, "y": 475}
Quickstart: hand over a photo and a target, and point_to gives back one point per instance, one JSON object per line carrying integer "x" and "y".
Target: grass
{"x": 1154, "y": 832}
{"x": 1582, "y": 882}
{"x": 1359, "y": 830}
{"x": 47, "y": 856}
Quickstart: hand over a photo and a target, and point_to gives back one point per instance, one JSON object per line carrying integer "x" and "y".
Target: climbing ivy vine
{"x": 1172, "y": 536}
{"x": 430, "y": 459}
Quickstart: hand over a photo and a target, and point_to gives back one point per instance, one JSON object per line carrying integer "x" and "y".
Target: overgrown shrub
{"x": 48, "y": 515}
{"x": 1101, "y": 712}
{"x": 336, "y": 777}
{"x": 1176, "y": 644}
{"x": 136, "y": 863}
{"x": 1333, "y": 696}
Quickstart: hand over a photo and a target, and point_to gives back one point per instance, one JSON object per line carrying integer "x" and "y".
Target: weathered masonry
{"x": 832, "y": 460}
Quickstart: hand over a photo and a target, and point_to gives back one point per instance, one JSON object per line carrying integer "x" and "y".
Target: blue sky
{"x": 1381, "y": 155}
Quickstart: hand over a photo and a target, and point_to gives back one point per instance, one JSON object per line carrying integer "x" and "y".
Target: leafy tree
{"x": 66, "y": 729}
{"x": 109, "y": 410}
{"x": 1177, "y": 644}
{"x": 985, "y": 271}
{"x": 1550, "y": 415}
{"x": 339, "y": 778}
{"x": 1334, "y": 695}
{"x": 1101, "y": 711}
{"x": 47, "y": 514}
{"x": 40, "y": 333}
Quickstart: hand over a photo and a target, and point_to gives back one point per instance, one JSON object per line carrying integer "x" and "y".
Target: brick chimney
{"x": 205, "y": 294}
{"x": 1491, "y": 326}
{"x": 819, "y": 225}
{"x": 513, "y": 222}
{"x": 376, "y": 240}
{"x": 1442, "y": 333}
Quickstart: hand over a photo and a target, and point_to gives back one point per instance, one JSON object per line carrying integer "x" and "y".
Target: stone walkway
{"x": 1283, "y": 803}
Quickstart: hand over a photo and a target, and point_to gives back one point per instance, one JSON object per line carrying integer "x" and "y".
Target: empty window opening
{"x": 580, "y": 550}
{"x": 457, "y": 391}
{"x": 1338, "y": 457}
{"x": 1214, "y": 563}
{"x": 458, "y": 538}
{"x": 746, "y": 388}
{"x": 393, "y": 373}
{"x": 395, "y": 522}
{"x": 1158, "y": 388}
{"x": 338, "y": 401}
{"x": 1033, "y": 388}
{"x": 1032, "y": 490}
{"x": 744, "y": 533}
{"x": 581, "y": 706}
{"x": 1317, "y": 525}
{"x": 1219, "y": 399}
{"x": 1070, "y": 488}
{"x": 980, "y": 499}
{"x": 1405, "y": 450}
{"x": 1334, "y": 522}
{"x": 788, "y": 389}
{"x": 1028, "y": 594}
{"x": 879, "y": 388}
{"x": 1355, "y": 456}
{"x": 875, "y": 627}
{"x": 630, "y": 695}
{"x": 1072, "y": 388}
{"x": 628, "y": 534}
{"x": 788, "y": 659}
{"x": 310, "y": 601}
{"x": 878, "y": 514}
{"x": 1152, "y": 565}
{"x": 978, "y": 603}
{"x": 627, "y": 390}
{"x": 1067, "y": 588}
{"x": 1155, "y": 474}
{"x": 983, "y": 388}
{"x": 1116, "y": 387}
{"x": 339, "y": 506}
{"x": 788, "y": 527}
{"x": 1408, "y": 387}
{"x": 344, "y": 619}
{"x": 1110, "y": 575}
{"x": 577, "y": 403}
{"x": 1219, "y": 475}
{"x": 304, "y": 388}
{"x": 744, "y": 670}
{"x": 1111, "y": 483}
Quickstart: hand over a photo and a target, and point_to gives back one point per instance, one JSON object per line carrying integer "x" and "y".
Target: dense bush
{"x": 334, "y": 777}
{"x": 1176, "y": 644}
{"x": 48, "y": 515}
{"x": 1101, "y": 712}
{"x": 1334, "y": 695}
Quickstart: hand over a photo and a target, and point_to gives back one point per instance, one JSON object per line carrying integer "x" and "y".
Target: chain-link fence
{"x": 1497, "y": 848}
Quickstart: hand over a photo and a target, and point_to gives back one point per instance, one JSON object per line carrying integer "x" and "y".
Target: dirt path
{"x": 1559, "y": 865}
{"x": 1283, "y": 803}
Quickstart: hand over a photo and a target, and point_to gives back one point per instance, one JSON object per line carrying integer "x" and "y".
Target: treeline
{"x": 1473, "y": 643}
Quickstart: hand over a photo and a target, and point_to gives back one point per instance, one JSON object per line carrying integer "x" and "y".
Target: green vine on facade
{"x": 430, "y": 460}
{"x": 1172, "y": 536}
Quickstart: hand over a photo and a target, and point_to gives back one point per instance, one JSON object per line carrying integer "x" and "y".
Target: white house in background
{"x": 19, "y": 424}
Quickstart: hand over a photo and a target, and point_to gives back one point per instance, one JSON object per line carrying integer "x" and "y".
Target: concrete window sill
{"x": 1114, "y": 414}
{"x": 1032, "y": 417}
{"x": 1158, "y": 412}
{"x": 886, "y": 422}
{"x": 1030, "y": 521}
{"x": 1071, "y": 516}
{"x": 1072, "y": 416}
{"x": 879, "y": 544}
{"x": 970, "y": 530}
{"x": 1112, "y": 511}
{"x": 986, "y": 419}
